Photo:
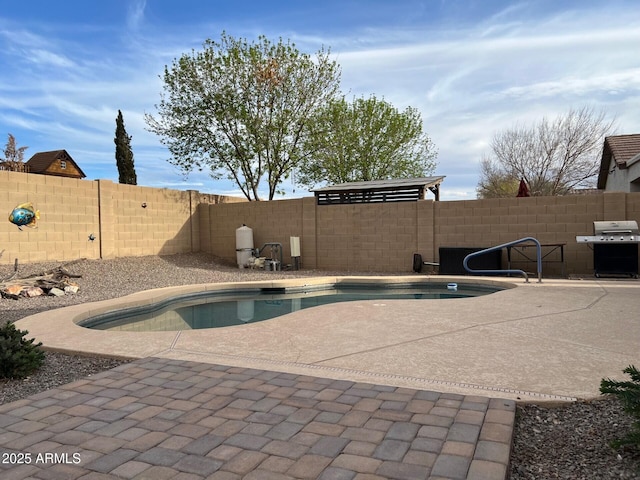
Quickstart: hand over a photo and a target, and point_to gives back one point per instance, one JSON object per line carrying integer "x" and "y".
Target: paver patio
{"x": 177, "y": 412}
{"x": 159, "y": 418}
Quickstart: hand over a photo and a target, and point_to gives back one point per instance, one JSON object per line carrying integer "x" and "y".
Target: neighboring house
{"x": 620, "y": 164}
{"x": 57, "y": 162}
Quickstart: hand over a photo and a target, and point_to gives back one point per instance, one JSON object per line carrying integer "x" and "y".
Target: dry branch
{"x": 58, "y": 277}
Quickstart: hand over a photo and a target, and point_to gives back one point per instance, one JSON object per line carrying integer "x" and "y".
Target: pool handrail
{"x": 500, "y": 247}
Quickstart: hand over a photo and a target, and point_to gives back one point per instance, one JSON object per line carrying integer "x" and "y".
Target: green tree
{"x": 553, "y": 157}
{"x": 124, "y": 155}
{"x": 496, "y": 183}
{"x": 367, "y": 139}
{"x": 242, "y": 110}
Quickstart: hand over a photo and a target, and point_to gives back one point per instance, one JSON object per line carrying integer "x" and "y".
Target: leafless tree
{"x": 13, "y": 156}
{"x": 554, "y": 157}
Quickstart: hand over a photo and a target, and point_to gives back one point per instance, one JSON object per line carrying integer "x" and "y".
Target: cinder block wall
{"x": 163, "y": 226}
{"x": 380, "y": 237}
{"x": 484, "y": 223}
{"x": 69, "y": 213}
{"x": 272, "y": 222}
{"x": 366, "y": 236}
{"x": 363, "y": 237}
{"x": 383, "y": 237}
{"x": 71, "y": 210}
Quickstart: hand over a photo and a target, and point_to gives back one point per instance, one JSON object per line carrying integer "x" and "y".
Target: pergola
{"x": 378, "y": 191}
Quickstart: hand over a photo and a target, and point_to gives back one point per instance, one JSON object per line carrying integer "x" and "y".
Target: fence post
{"x": 106, "y": 219}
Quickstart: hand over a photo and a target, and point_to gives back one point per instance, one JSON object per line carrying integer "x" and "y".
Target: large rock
{"x": 13, "y": 289}
{"x": 32, "y": 291}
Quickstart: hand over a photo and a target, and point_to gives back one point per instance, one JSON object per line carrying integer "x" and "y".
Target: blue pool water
{"x": 238, "y": 307}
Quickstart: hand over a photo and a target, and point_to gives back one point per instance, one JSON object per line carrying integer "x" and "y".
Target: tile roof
{"x": 624, "y": 147}
{"x": 620, "y": 148}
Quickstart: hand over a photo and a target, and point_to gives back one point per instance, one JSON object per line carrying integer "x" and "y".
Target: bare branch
{"x": 554, "y": 157}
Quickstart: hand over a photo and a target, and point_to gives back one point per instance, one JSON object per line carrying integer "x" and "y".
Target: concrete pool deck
{"x": 553, "y": 340}
{"x": 365, "y": 390}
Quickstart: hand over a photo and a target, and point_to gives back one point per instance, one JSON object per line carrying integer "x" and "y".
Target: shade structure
{"x": 376, "y": 191}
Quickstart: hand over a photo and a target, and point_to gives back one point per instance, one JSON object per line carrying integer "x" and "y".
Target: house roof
{"x": 622, "y": 149}
{"x": 407, "y": 189}
{"x": 41, "y": 161}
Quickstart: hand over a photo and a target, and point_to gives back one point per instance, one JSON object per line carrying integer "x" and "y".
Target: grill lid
{"x": 624, "y": 231}
{"x": 623, "y": 227}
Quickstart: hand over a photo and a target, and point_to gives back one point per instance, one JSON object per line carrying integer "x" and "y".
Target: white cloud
{"x": 47, "y": 58}
{"x": 468, "y": 80}
{"x": 609, "y": 83}
{"x": 135, "y": 13}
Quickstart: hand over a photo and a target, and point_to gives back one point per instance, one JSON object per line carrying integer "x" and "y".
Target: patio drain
{"x": 374, "y": 375}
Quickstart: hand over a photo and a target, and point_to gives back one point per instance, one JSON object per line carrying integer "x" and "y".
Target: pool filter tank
{"x": 244, "y": 245}
{"x": 295, "y": 252}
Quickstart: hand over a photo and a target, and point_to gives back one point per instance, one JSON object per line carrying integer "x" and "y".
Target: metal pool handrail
{"x": 500, "y": 247}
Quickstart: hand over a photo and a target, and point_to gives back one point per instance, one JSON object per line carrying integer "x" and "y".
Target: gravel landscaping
{"x": 563, "y": 442}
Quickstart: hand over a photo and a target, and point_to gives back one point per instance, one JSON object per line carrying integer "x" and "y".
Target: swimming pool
{"x": 239, "y": 306}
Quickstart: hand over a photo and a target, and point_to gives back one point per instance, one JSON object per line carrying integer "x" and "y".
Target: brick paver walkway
{"x": 169, "y": 419}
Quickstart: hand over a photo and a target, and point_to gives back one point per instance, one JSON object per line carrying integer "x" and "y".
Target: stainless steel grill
{"x": 625, "y": 231}
{"x": 615, "y": 247}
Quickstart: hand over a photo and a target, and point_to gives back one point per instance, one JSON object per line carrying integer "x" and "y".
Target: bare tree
{"x": 553, "y": 157}
{"x": 13, "y": 156}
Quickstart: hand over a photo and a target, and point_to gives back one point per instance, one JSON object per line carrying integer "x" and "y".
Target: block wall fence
{"x": 71, "y": 210}
{"x": 351, "y": 238}
{"x": 383, "y": 237}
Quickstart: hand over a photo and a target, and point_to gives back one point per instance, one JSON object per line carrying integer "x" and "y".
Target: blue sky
{"x": 472, "y": 68}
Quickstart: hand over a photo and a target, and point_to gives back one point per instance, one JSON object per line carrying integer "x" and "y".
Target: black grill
{"x": 620, "y": 259}
{"x": 615, "y": 247}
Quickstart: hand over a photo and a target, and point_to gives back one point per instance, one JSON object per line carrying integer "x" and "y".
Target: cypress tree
{"x": 124, "y": 155}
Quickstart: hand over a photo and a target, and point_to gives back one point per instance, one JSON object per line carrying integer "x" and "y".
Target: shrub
{"x": 629, "y": 394}
{"x": 18, "y": 357}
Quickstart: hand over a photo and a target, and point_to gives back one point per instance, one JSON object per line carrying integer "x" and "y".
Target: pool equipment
{"x": 452, "y": 286}
{"x": 273, "y": 262}
{"x": 249, "y": 257}
{"x": 295, "y": 252}
{"x": 244, "y": 245}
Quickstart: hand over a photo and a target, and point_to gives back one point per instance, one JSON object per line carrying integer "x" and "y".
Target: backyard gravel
{"x": 569, "y": 441}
